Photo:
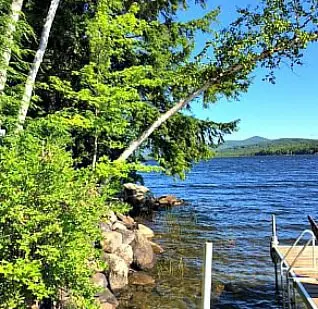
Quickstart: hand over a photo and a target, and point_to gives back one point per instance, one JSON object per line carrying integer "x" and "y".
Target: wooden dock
{"x": 298, "y": 269}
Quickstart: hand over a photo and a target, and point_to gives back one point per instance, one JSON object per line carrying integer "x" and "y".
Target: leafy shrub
{"x": 49, "y": 215}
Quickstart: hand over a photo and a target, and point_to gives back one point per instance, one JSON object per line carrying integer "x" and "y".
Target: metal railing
{"x": 311, "y": 240}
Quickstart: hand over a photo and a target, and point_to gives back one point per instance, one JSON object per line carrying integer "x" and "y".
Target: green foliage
{"x": 49, "y": 223}
{"x": 110, "y": 70}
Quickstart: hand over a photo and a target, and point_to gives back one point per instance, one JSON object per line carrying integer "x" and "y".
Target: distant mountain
{"x": 246, "y": 142}
{"x": 257, "y": 146}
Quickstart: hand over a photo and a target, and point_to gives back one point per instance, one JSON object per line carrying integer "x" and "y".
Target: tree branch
{"x": 182, "y": 103}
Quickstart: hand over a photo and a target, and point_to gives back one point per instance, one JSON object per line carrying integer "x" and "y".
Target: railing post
{"x": 207, "y": 276}
{"x": 274, "y": 231}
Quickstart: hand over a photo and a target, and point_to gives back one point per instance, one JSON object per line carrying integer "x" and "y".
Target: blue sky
{"x": 287, "y": 109}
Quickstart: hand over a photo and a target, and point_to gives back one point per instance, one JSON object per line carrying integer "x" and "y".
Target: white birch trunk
{"x": 29, "y": 85}
{"x": 16, "y": 8}
{"x": 163, "y": 118}
{"x": 182, "y": 103}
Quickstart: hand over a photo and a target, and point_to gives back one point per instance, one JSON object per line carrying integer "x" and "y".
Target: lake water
{"x": 230, "y": 203}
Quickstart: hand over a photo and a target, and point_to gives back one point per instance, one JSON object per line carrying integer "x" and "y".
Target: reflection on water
{"x": 230, "y": 204}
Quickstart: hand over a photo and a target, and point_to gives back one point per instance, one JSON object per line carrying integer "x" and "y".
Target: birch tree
{"x": 16, "y": 8}
{"x": 279, "y": 32}
{"x": 29, "y": 85}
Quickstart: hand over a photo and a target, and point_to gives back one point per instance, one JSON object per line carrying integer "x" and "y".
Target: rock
{"x": 140, "y": 278}
{"x": 144, "y": 257}
{"x": 112, "y": 217}
{"x": 107, "y": 306}
{"x": 218, "y": 289}
{"x": 99, "y": 280}
{"x": 126, "y": 253}
{"x": 128, "y": 237}
{"x": 127, "y": 220}
{"x": 105, "y": 227}
{"x": 111, "y": 241}
{"x": 145, "y": 230}
{"x": 232, "y": 287}
{"x": 169, "y": 201}
{"x": 156, "y": 248}
{"x": 138, "y": 188}
{"x": 107, "y": 300}
{"x": 118, "y": 271}
{"x": 119, "y": 226}
{"x": 134, "y": 194}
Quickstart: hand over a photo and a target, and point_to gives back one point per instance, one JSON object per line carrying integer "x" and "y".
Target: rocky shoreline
{"x": 127, "y": 247}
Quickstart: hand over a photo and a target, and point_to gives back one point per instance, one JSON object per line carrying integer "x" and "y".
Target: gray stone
{"x": 144, "y": 257}
{"x": 145, "y": 231}
{"x": 127, "y": 220}
{"x": 99, "y": 280}
{"x": 111, "y": 241}
{"x": 141, "y": 278}
{"x": 138, "y": 188}
{"x": 156, "y": 248}
{"x": 105, "y": 227}
{"x": 118, "y": 271}
{"x": 107, "y": 299}
{"x": 107, "y": 306}
{"x": 134, "y": 193}
{"x": 112, "y": 217}
{"x": 126, "y": 253}
{"x": 128, "y": 237}
{"x": 119, "y": 226}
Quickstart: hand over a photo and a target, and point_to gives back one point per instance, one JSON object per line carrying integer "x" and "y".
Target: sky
{"x": 287, "y": 109}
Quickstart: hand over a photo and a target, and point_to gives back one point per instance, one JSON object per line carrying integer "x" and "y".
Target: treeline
{"x": 282, "y": 148}
{"x": 86, "y": 89}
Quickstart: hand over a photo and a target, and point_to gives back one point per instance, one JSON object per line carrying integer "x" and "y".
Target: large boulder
{"x": 99, "y": 280}
{"x": 145, "y": 231}
{"x": 141, "y": 278}
{"x": 111, "y": 241}
{"x": 144, "y": 257}
{"x": 105, "y": 227}
{"x": 111, "y": 217}
{"x": 117, "y": 270}
{"x": 128, "y": 237}
{"x": 169, "y": 201}
{"x": 119, "y": 227}
{"x": 107, "y": 300}
{"x": 127, "y": 220}
{"x": 135, "y": 194}
{"x": 125, "y": 252}
{"x": 156, "y": 248}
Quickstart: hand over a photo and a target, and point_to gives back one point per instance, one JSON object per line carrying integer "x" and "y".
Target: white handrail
{"x": 312, "y": 239}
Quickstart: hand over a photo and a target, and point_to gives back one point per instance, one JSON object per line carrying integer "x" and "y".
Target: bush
{"x": 49, "y": 217}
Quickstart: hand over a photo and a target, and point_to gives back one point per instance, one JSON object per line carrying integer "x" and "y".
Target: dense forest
{"x": 88, "y": 87}
{"x": 283, "y": 146}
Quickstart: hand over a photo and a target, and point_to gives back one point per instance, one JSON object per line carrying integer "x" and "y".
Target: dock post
{"x": 207, "y": 276}
{"x": 274, "y": 238}
{"x": 274, "y": 242}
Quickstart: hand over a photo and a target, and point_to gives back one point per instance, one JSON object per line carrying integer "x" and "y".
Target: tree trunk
{"x": 29, "y": 85}
{"x": 163, "y": 118}
{"x": 182, "y": 103}
{"x": 95, "y": 151}
{"x": 16, "y": 8}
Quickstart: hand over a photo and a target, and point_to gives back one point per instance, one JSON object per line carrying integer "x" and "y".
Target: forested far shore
{"x": 276, "y": 147}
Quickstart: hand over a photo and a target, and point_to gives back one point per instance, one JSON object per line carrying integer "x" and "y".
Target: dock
{"x": 296, "y": 269}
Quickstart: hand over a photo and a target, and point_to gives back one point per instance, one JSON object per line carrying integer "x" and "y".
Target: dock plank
{"x": 304, "y": 273}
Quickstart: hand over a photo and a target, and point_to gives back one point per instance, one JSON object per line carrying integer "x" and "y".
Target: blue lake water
{"x": 230, "y": 203}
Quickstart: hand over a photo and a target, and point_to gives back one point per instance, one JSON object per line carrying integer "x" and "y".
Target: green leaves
{"x": 49, "y": 220}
